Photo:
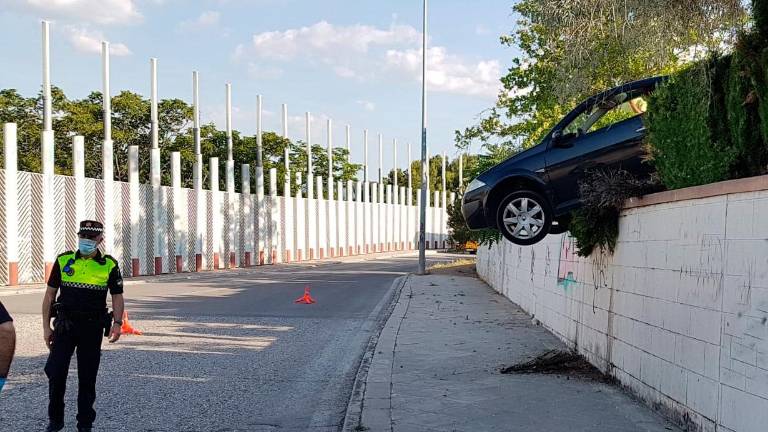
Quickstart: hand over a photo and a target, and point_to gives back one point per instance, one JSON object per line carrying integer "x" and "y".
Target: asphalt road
{"x": 224, "y": 351}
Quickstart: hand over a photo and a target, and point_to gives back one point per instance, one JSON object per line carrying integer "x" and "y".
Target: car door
{"x": 616, "y": 145}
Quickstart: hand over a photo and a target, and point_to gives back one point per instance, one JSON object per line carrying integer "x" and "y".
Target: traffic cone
{"x": 306, "y": 298}
{"x": 127, "y": 328}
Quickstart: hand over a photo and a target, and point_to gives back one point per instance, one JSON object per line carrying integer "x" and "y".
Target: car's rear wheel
{"x": 524, "y": 217}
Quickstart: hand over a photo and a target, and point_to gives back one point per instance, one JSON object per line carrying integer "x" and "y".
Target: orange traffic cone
{"x": 127, "y": 328}
{"x": 306, "y": 298}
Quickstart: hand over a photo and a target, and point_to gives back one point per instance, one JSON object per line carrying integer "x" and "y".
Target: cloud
{"x": 367, "y": 53}
{"x": 327, "y": 39}
{"x": 207, "y": 19}
{"x": 367, "y": 105}
{"x": 449, "y": 73}
{"x": 93, "y": 11}
{"x": 88, "y": 41}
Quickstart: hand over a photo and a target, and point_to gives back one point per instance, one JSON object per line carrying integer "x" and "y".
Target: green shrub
{"x": 458, "y": 231}
{"x": 760, "y": 12}
{"x": 688, "y": 143}
{"x": 742, "y": 112}
{"x": 603, "y": 193}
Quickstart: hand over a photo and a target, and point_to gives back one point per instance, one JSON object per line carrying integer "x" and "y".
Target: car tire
{"x": 536, "y": 222}
{"x": 561, "y": 226}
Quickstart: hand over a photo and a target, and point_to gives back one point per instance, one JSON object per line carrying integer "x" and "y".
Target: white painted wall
{"x": 678, "y": 314}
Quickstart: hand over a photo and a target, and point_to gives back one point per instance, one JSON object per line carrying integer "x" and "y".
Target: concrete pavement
{"x": 435, "y": 367}
{"x": 223, "y": 351}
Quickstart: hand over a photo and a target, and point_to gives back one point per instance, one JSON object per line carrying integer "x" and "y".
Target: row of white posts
{"x": 229, "y": 230}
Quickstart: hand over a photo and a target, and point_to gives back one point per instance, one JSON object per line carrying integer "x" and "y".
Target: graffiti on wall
{"x": 566, "y": 266}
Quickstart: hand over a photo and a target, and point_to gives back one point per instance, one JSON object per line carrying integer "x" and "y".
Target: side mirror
{"x": 561, "y": 140}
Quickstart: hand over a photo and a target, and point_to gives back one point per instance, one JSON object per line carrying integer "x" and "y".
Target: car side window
{"x": 607, "y": 113}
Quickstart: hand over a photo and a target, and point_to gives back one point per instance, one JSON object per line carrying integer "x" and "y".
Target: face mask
{"x": 86, "y": 246}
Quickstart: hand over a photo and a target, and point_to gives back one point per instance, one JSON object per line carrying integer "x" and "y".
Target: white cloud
{"x": 449, "y": 73}
{"x": 327, "y": 39}
{"x": 88, "y": 41}
{"x": 94, "y": 11}
{"x": 365, "y": 53}
{"x": 367, "y": 105}
{"x": 207, "y": 19}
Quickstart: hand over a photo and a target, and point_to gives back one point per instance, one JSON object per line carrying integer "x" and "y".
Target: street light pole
{"x": 423, "y": 207}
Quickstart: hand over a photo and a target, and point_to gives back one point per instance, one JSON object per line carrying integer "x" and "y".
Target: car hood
{"x": 516, "y": 160}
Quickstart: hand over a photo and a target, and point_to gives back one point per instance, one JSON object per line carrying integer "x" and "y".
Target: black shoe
{"x": 54, "y": 426}
{"x": 84, "y": 428}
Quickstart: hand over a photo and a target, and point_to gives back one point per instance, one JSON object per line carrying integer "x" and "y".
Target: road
{"x": 223, "y": 351}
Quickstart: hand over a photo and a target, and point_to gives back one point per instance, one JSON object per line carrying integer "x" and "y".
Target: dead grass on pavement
{"x": 462, "y": 267}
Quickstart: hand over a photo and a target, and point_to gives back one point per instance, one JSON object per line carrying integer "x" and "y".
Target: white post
{"x": 197, "y": 177}
{"x": 365, "y": 155}
{"x": 246, "y": 222}
{"x": 375, "y": 226}
{"x": 47, "y": 154}
{"x": 11, "y": 202}
{"x": 155, "y": 176}
{"x": 329, "y": 137}
{"x": 349, "y": 142}
{"x": 78, "y": 171}
{"x": 275, "y": 231}
{"x": 340, "y": 222}
{"x": 230, "y": 184}
{"x": 351, "y": 225}
{"x": 389, "y": 217}
{"x": 310, "y": 170}
{"x": 381, "y": 159}
{"x": 402, "y": 219}
{"x": 394, "y": 169}
{"x": 135, "y": 206}
{"x": 461, "y": 171}
{"x": 285, "y": 121}
{"x": 288, "y": 204}
{"x": 320, "y": 227}
{"x": 359, "y": 219}
{"x": 443, "y": 205}
{"x": 261, "y": 218}
{"x": 47, "y": 119}
{"x": 107, "y": 156}
{"x": 366, "y": 217}
{"x": 215, "y": 211}
{"x": 382, "y": 224}
{"x": 180, "y": 240}
{"x": 436, "y": 218}
{"x": 300, "y": 225}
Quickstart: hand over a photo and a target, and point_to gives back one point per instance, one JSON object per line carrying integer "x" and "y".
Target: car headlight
{"x": 475, "y": 184}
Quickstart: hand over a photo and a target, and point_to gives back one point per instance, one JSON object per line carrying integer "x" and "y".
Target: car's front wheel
{"x": 524, "y": 217}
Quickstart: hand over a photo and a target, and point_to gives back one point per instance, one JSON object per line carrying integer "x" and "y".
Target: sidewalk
{"x": 436, "y": 366}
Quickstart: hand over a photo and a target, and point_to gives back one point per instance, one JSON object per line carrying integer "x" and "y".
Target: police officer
{"x": 7, "y": 344}
{"x": 82, "y": 279}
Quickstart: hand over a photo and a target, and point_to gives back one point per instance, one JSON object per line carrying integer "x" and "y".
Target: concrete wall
{"x": 678, "y": 314}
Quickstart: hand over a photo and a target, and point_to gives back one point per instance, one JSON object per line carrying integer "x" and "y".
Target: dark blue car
{"x": 532, "y": 193}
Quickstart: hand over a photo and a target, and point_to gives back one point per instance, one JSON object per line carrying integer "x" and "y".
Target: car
{"x": 534, "y": 192}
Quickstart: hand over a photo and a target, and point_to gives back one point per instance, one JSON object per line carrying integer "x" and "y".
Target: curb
{"x": 354, "y": 414}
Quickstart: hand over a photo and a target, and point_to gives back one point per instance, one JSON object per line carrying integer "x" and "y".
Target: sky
{"x": 355, "y": 62}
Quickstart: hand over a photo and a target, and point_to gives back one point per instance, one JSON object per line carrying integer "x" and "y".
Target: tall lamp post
{"x": 423, "y": 207}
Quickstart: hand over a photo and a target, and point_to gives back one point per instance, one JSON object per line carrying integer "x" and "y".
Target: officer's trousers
{"x": 83, "y": 335}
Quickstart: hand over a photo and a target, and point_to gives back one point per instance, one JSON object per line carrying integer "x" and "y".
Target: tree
{"x": 572, "y": 49}
{"x": 131, "y": 126}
